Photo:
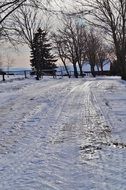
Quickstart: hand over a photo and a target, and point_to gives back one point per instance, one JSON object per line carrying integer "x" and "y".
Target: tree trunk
{"x": 98, "y": 68}
{"x": 93, "y": 70}
{"x": 101, "y": 64}
{"x": 123, "y": 73}
{"x": 121, "y": 60}
{"x": 80, "y": 67}
{"x": 3, "y": 77}
{"x": 66, "y": 69}
{"x": 75, "y": 70}
{"x": 38, "y": 75}
{"x": 122, "y": 65}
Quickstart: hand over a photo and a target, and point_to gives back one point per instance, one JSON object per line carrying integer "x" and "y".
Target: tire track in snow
{"x": 23, "y": 108}
{"x": 29, "y": 144}
{"x": 61, "y": 149}
{"x": 71, "y": 133}
{"x": 110, "y": 166}
{"x": 92, "y": 140}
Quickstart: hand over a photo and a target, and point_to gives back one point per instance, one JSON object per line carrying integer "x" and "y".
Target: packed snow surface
{"x": 63, "y": 134}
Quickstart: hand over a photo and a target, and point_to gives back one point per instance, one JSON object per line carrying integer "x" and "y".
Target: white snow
{"x": 63, "y": 134}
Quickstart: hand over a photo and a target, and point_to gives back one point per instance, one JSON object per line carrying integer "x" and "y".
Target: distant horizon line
{"x": 15, "y": 68}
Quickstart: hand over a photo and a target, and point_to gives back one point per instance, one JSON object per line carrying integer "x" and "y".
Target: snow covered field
{"x": 63, "y": 134}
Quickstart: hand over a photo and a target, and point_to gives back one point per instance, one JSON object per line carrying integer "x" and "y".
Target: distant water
{"x": 16, "y": 69}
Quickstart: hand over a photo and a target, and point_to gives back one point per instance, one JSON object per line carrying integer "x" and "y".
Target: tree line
{"x": 77, "y": 43}
{"x": 102, "y": 34}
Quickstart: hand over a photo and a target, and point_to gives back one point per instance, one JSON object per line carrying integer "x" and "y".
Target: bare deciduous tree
{"x": 104, "y": 53}
{"x": 25, "y": 23}
{"x": 73, "y": 42}
{"x": 92, "y": 47}
{"x": 8, "y": 7}
{"x": 110, "y": 16}
{"x": 61, "y": 50}
{"x": 70, "y": 49}
{"x": 76, "y": 31}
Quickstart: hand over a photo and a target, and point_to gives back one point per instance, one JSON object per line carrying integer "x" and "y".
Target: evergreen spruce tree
{"x": 41, "y": 57}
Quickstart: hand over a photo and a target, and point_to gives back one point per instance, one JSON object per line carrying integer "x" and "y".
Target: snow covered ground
{"x": 63, "y": 134}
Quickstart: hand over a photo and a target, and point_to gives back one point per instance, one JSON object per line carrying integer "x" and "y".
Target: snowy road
{"x": 60, "y": 134}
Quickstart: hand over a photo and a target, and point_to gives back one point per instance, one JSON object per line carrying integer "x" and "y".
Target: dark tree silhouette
{"x": 41, "y": 57}
{"x": 110, "y": 16}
